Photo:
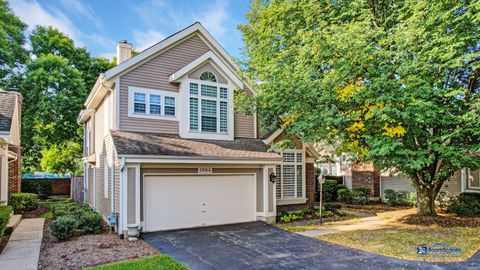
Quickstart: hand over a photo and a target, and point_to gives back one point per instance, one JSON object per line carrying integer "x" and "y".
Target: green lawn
{"x": 402, "y": 241}
{"x": 159, "y": 262}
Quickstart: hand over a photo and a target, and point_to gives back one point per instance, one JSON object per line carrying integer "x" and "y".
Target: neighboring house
{"x": 365, "y": 175}
{"x": 164, "y": 148}
{"x": 10, "y": 149}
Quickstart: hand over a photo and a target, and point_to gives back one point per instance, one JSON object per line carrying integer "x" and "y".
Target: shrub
{"x": 360, "y": 195}
{"x": 90, "y": 222}
{"x": 341, "y": 186}
{"x": 40, "y": 187}
{"x": 5, "y": 213}
{"x": 400, "y": 198}
{"x": 330, "y": 190}
{"x": 63, "y": 228}
{"x": 332, "y": 206}
{"x": 390, "y": 196}
{"x": 345, "y": 195}
{"x": 22, "y": 202}
{"x": 325, "y": 213}
{"x": 306, "y": 211}
{"x": 443, "y": 199}
{"x": 290, "y": 217}
{"x": 465, "y": 205}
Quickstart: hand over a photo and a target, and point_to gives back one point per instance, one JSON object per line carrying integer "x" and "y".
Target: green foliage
{"x": 403, "y": 98}
{"x": 62, "y": 158}
{"x": 56, "y": 82}
{"x": 360, "y": 195}
{"x": 393, "y": 197}
{"x": 63, "y": 228}
{"x": 345, "y": 195}
{"x": 332, "y": 206}
{"x": 158, "y": 262}
{"x": 39, "y": 187}
{"x": 329, "y": 190}
{"x": 326, "y": 213}
{"x": 90, "y": 222}
{"x": 465, "y": 205}
{"x": 12, "y": 40}
{"x": 87, "y": 219}
{"x": 306, "y": 211}
{"x": 288, "y": 217}
{"x": 22, "y": 202}
{"x": 5, "y": 212}
{"x": 390, "y": 196}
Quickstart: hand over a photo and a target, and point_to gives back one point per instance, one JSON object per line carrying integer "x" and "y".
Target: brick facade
{"x": 14, "y": 173}
{"x": 365, "y": 175}
{"x": 309, "y": 189}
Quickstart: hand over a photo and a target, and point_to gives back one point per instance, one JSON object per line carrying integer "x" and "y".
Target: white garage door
{"x": 186, "y": 201}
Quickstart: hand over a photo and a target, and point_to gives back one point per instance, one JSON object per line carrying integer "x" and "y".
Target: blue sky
{"x": 98, "y": 25}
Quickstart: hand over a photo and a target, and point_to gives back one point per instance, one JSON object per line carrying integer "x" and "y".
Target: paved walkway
{"x": 23, "y": 248}
{"x": 358, "y": 224}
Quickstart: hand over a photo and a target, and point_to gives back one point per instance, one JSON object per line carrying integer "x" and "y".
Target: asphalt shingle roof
{"x": 7, "y": 107}
{"x": 137, "y": 143}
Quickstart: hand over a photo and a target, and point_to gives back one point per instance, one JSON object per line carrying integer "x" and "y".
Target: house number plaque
{"x": 204, "y": 170}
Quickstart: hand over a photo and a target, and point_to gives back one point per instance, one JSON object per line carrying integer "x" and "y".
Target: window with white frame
{"x": 106, "y": 180}
{"x": 208, "y": 106}
{"x": 152, "y": 103}
{"x": 473, "y": 179}
{"x": 291, "y": 175}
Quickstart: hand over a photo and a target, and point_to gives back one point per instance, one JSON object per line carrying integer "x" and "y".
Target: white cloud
{"x": 143, "y": 40}
{"x": 83, "y": 10}
{"x": 214, "y": 18}
{"x": 32, "y": 13}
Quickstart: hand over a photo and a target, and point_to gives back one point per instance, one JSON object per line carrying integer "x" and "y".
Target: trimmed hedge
{"x": 86, "y": 220}
{"x": 22, "y": 202}
{"x": 466, "y": 204}
{"x": 40, "y": 187}
{"x": 5, "y": 213}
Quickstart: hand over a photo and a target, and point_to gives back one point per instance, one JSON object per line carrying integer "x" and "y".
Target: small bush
{"x": 325, "y": 213}
{"x": 331, "y": 206}
{"x": 330, "y": 190}
{"x": 90, "y": 222}
{"x": 390, "y": 196}
{"x": 290, "y": 217}
{"x": 465, "y": 205}
{"x": 306, "y": 211}
{"x": 22, "y": 202}
{"x": 360, "y": 195}
{"x": 341, "y": 186}
{"x": 63, "y": 228}
{"x": 400, "y": 198}
{"x": 5, "y": 213}
{"x": 345, "y": 196}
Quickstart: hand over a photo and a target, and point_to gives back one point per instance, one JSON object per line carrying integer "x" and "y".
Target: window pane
{"x": 223, "y": 92}
{"x": 299, "y": 181}
{"x": 288, "y": 157}
{"x": 474, "y": 179}
{"x": 155, "y": 99}
{"x": 170, "y": 106}
{"x": 209, "y": 90}
{"x": 193, "y": 114}
{"x": 209, "y": 124}
{"x": 223, "y": 116}
{"x": 155, "y": 109}
{"x": 288, "y": 181}
{"x": 209, "y": 108}
{"x": 299, "y": 157}
{"x": 139, "y": 97}
{"x": 208, "y": 76}
{"x": 193, "y": 89}
{"x": 139, "y": 108}
{"x": 278, "y": 173}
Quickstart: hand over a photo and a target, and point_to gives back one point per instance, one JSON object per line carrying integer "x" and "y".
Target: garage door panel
{"x": 185, "y": 201}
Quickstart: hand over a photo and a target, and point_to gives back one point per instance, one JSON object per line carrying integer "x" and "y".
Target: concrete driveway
{"x": 260, "y": 246}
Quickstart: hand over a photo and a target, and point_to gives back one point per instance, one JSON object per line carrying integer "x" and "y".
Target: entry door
{"x": 186, "y": 201}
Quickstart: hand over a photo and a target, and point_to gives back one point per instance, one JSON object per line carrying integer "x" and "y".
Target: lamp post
{"x": 320, "y": 182}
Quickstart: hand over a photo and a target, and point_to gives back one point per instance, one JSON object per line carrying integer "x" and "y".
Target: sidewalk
{"x": 23, "y": 248}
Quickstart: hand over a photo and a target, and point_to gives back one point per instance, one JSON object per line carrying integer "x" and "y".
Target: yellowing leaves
{"x": 394, "y": 131}
{"x": 287, "y": 120}
{"x": 345, "y": 93}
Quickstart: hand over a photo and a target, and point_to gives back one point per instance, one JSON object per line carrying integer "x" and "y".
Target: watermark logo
{"x": 438, "y": 250}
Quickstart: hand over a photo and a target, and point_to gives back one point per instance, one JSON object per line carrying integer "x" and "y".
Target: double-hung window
{"x": 153, "y": 103}
{"x": 291, "y": 175}
{"x": 208, "y": 106}
{"x": 473, "y": 179}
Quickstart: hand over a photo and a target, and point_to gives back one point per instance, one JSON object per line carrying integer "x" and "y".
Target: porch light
{"x": 272, "y": 177}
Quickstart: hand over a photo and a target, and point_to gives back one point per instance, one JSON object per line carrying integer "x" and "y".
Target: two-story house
{"x": 165, "y": 149}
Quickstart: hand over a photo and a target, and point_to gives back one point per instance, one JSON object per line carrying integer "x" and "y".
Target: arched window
{"x": 208, "y": 76}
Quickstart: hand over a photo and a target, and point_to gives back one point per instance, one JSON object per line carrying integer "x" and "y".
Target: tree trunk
{"x": 426, "y": 196}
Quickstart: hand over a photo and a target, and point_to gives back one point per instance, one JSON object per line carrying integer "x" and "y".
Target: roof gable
{"x": 7, "y": 108}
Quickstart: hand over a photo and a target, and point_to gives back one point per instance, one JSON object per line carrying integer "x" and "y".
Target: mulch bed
{"x": 4, "y": 242}
{"x": 88, "y": 250}
{"x": 376, "y": 207}
{"x": 442, "y": 220}
{"x": 41, "y": 210}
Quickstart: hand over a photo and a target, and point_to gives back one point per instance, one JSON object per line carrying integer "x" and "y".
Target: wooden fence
{"x": 77, "y": 188}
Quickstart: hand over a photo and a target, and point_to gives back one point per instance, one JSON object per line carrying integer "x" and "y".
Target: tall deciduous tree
{"x": 56, "y": 82}
{"x": 396, "y": 82}
{"x": 12, "y": 40}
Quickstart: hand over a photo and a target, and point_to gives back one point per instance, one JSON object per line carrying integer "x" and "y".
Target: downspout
{"x": 120, "y": 219}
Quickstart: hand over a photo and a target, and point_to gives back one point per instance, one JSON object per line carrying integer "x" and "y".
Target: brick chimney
{"x": 124, "y": 51}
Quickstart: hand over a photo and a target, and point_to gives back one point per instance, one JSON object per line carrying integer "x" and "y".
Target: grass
{"x": 406, "y": 231}
{"x": 313, "y": 225}
{"x": 159, "y": 262}
{"x": 49, "y": 204}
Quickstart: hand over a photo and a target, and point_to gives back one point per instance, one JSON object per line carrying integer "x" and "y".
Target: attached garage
{"x": 187, "y": 201}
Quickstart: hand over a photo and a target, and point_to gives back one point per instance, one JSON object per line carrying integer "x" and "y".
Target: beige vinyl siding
{"x": 454, "y": 186}
{"x": 90, "y": 186}
{"x": 244, "y": 126}
{"x": 153, "y": 74}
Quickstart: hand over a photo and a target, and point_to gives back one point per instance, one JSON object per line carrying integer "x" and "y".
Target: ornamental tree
{"x": 396, "y": 83}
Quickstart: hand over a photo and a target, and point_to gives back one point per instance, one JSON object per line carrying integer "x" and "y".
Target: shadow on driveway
{"x": 258, "y": 245}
